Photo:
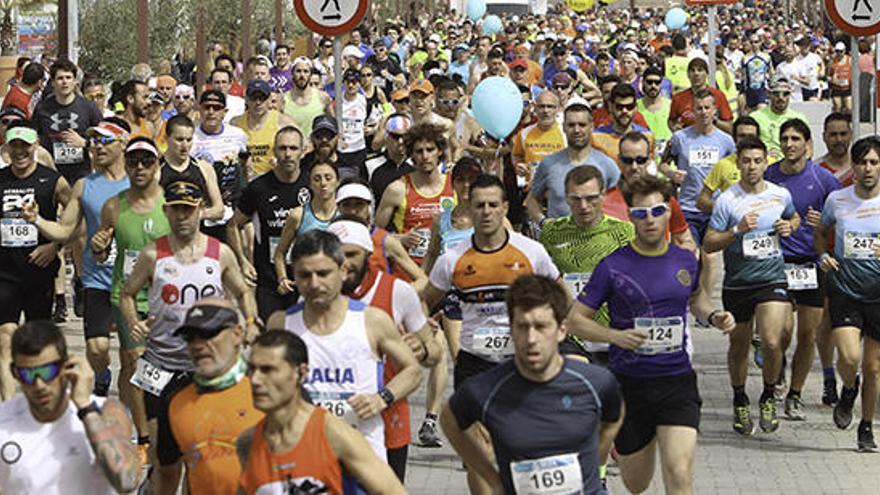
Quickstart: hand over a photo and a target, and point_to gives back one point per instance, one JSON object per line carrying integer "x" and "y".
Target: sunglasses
{"x": 577, "y": 198}
{"x": 200, "y": 333}
{"x": 323, "y": 135}
{"x": 104, "y": 140}
{"x": 214, "y": 108}
{"x": 46, "y": 372}
{"x": 143, "y": 162}
{"x": 8, "y": 120}
{"x": 258, "y": 97}
{"x": 629, "y": 160}
{"x": 450, "y": 102}
{"x": 402, "y": 101}
{"x": 780, "y": 93}
{"x": 183, "y": 97}
{"x": 629, "y": 106}
{"x": 641, "y": 213}
{"x": 97, "y": 96}
{"x": 396, "y": 137}
{"x": 653, "y": 82}
{"x": 366, "y": 74}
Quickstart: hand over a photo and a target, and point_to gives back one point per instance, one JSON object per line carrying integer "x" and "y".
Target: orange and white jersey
{"x": 480, "y": 280}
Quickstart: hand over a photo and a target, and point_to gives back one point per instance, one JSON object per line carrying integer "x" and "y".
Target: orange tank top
{"x": 418, "y": 212}
{"x": 843, "y": 71}
{"x": 310, "y": 467}
{"x": 378, "y": 258}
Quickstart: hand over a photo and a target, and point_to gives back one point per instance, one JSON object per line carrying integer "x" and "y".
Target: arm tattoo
{"x": 110, "y": 438}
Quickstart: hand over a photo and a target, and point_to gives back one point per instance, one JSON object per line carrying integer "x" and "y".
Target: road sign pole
{"x": 713, "y": 10}
{"x": 337, "y": 78}
{"x": 854, "y": 85}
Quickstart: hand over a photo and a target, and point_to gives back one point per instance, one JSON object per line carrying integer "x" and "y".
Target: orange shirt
{"x": 205, "y": 427}
{"x": 417, "y": 213}
{"x": 310, "y": 467}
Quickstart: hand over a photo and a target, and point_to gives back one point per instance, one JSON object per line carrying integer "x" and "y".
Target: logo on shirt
{"x": 566, "y": 402}
{"x": 148, "y": 225}
{"x": 10, "y": 452}
{"x": 469, "y": 270}
{"x": 304, "y": 196}
{"x": 684, "y": 277}
{"x": 272, "y": 198}
{"x": 58, "y": 120}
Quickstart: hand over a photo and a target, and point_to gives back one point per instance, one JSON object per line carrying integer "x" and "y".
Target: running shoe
{"x": 829, "y": 392}
{"x": 768, "y": 421}
{"x": 59, "y": 313}
{"x": 742, "y": 421}
{"x": 779, "y": 390}
{"x": 843, "y": 410}
{"x": 78, "y": 299}
{"x": 866, "y": 438}
{"x": 102, "y": 383}
{"x": 794, "y": 409}
{"x": 428, "y": 436}
{"x": 756, "y": 347}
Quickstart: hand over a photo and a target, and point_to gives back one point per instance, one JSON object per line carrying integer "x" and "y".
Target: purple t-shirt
{"x": 809, "y": 188}
{"x": 281, "y": 80}
{"x": 645, "y": 285}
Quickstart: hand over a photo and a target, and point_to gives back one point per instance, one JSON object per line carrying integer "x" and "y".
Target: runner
{"x": 261, "y": 125}
{"x": 747, "y": 222}
{"x": 303, "y": 103}
{"x": 771, "y": 117}
{"x": 622, "y": 107}
{"x": 298, "y": 447}
{"x": 853, "y": 275}
{"x": 393, "y": 163}
{"x": 207, "y": 416}
{"x": 181, "y": 267}
{"x": 133, "y": 96}
{"x": 681, "y": 113}
{"x": 539, "y": 447}
{"x": 176, "y": 165}
{"x": 539, "y": 140}
{"x": 346, "y": 340}
{"x": 837, "y": 135}
{"x": 649, "y": 287}
{"x": 55, "y": 408}
{"x": 268, "y": 201}
{"x": 352, "y": 144}
{"x": 725, "y": 172}
{"x": 655, "y": 108}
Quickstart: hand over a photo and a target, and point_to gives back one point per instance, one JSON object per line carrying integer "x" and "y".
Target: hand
{"x": 72, "y": 138}
{"x": 828, "y": 263}
{"x": 416, "y": 346}
{"x": 724, "y": 321}
{"x": 81, "y": 378}
{"x": 748, "y": 223}
{"x": 30, "y": 212}
{"x": 286, "y": 286}
{"x": 677, "y": 176}
{"x": 782, "y": 227}
{"x": 251, "y": 332}
{"x": 522, "y": 169}
{"x": 410, "y": 240}
{"x": 630, "y": 339}
{"x": 249, "y": 272}
{"x": 367, "y": 405}
{"x": 813, "y": 217}
{"x": 102, "y": 239}
{"x": 139, "y": 329}
{"x": 43, "y": 255}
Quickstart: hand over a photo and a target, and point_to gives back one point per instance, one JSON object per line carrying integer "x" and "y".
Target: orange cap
{"x": 422, "y": 85}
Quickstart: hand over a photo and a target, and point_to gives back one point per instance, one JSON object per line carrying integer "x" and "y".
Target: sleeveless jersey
{"x": 351, "y": 130}
{"x": 97, "y": 189}
{"x": 310, "y": 467}
{"x": 378, "y": 258}
{"x": 191, "y": 173}
{"x": 418, "y": 211}
{"x": 19, "y": 238}
{"x": 303, "y": 115}
{"x": 311, "y": 222}
{"x": 843, "y": 70}
{"x": 261, "y": 142}
{"x": 341, "y": 365}
{"x": 134, "y": 231}
{"x": 175, "y": 288}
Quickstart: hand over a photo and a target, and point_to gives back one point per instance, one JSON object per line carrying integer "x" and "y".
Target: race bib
{"x": 801, "y": 277}
{"x": 860, "y": 245}
{"x": 703, "y": 156}
{"x": 665, "y": 335}
{"x": 273, "y": 246}
{"x": 493, "y": 341}
{"x": 421, "y": 249}
{"x": 227, "y": 215}
{"x": 150, "y": 378}
{"x": 761, "y": 245}
{"x": 336, "y": 403}
{"x": 558, "y": 474}
{"x": 17, "y": 233}
{"x": 129, "y": 261}
{"x": 65, "y": 154}
{"x": 576, "y": 282}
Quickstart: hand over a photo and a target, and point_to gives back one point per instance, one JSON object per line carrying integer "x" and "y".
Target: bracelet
{"x": 712, "y": 315}
{"x": 387, "y": 396}
{"x": 250, "y": 320}
{"x": 92, "y": 407}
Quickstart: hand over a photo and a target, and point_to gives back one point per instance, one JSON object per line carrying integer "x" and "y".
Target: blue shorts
{"x": 698, "y": 222}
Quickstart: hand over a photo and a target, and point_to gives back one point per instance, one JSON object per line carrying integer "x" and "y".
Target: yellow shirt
{"x": 724, "y": 174}
{"x": 261, "y": 143}
{"x": 534, "y": 145}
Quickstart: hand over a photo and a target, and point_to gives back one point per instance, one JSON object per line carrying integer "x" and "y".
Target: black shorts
{"x": 33, "y": 299}
{"x": 468, "y": 365}
{"x": 97, "y": 313}
{"x": 652, "y": 402}
{"x": 270, "y": 301}
{"x": 814, "y": 298}
{"x": 742, "y": 302}
{"x": 848, "y": 312}
{"x": 74, "y": 172}
{"x": 167, "y": 450}
{"x": 570, "y": 346}
{"x": 809, "y": 93}
{"x": 841, "y": 92}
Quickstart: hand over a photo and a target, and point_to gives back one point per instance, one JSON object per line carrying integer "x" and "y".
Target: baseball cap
{"x": 518, "y": 62}
{"x": 422, "y": 85}
{"x": 12, "y": 112}
{"x": 258, "y": 86}
{"x": 155, "y": 97}
{"x": 354, "y": 190}
{"x": 207, "y": 318}
{"x": 213, "y": 96}
{"x": 779, "y": 83}
{"x": 521, "y": 50}
{"x": 561, "y": 78}
{"x": 352, "y": 51}
{"x": 183, "y": 193}
{"x": 577, "y": 101}
{"x": 560, "y": 48}
{"x": 301, "y": 60}
{"x": 435, "y": 38}
{"x": 324, "y": 123}
{"x": 400, "y": 94}
{"x": 351, "y": 75}
{"x": 351, "y": 232}
{"x": 107, "y": 129}
{"x": 839, "y": 47}
{"x": 23, "y": 133}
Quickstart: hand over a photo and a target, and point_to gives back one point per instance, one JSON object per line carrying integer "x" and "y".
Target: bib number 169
{"x": 547, "y": 479}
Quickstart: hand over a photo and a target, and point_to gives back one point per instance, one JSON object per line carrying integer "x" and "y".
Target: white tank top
{"x": 341, "y": 365}
{"x": 175, "y": 288}
{"x": 47, "y": 458}
{"x": 354, "y": 116}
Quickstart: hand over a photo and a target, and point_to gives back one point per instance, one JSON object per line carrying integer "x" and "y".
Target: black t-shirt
{"x": 192, "y": 174}
{"x": 19, "y": 238}
{"x": 51, "y": 119}
{"x": 387, "y": 173}
{"x": 391, "y": 66}
{"x": 272, "y": 201}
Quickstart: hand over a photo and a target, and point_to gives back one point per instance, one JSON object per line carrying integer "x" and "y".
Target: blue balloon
{"x": 491, "y": 25}
{"x": 675, "y": 18}
{"x": 476, "y": 9}
{"x": 497, "y": 106}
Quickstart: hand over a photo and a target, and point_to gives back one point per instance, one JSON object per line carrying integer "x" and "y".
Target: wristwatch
{"x": 387, "y": 396}
{"x": 92, "y": 407}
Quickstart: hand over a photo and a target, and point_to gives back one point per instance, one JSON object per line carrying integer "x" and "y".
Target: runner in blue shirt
{"x": 746, "y": 223}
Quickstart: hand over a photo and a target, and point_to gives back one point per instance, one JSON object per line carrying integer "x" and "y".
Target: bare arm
{"x": 534, "y": 208}
{"x": 359, "y": 459}
{"x": 61, "y": 230}
{"x": 291, "y": 225}
{"x": 234, "y": 282}
{"x": 431, "y": 295}
{"x": 103, "y": 238}
{"x": 109, "y": 434}
{"x": 704, "y": 201}
{"x": 390, "y": 343}
{"x": 717, "y": 240}
{"x": 62, "y": 192}
{"x": 685, "y": 240}
{"x": 607, "y": 433}
{"x": 140, "y": 276}
{"x": 471, "y": 453}
{"x": 580, "y": 323}
{"x": 433, "y": 246}
{"x": 400, "y": 257}
{"x": 391, "y": 200}
{"x": 236, "y": 243}
{"x": 215, "y": 211}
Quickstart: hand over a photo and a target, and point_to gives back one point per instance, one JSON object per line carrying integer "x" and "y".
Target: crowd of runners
{"x": 280, "y": 278}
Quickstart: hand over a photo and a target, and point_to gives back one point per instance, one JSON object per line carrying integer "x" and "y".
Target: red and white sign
{"x": 855, "y": 17}
{"x": 331, "y": 17}
{"x": 709, "y": 2}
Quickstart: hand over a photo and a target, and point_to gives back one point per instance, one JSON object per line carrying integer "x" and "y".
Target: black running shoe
{"x": 829, "y": 392}
{"x": 843, "y": 410}
{"x": 866, "y": 438}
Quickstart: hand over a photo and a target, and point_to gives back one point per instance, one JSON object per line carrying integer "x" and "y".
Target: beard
{"x": 350, "y": 285}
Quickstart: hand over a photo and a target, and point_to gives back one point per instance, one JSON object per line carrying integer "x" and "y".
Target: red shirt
{"x": 845, "y": 177}
{"x": 682, "y": 107}
{"x": 602, "y": 117}
{"x": 17, "y": 98}
{"x": 615, "y": 206}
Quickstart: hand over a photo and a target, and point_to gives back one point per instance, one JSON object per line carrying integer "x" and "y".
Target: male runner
{"x": 261, "y": 125}
{"x": 725, "y": 172}
{"x": 304, "y": 103}
{"x": 550, "y": 418}
{"x": 176, "y": 165}
{"x": 746, "y": 223}
{"x": 837, "y": 134}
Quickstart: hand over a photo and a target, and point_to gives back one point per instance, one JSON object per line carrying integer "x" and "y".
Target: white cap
{"x": 352, "y": 51}
{"x": 577, "y": 100}
{"x": 662, "y": 29}
{"x": 350, "y": 232}
{"x": 354, "y": 190}
{"x": 839, "y": 46}
{"x": 435, "y": 38}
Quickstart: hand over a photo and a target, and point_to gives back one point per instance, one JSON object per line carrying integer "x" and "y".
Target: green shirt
{"x": 132, "y": 233}
{"x": 769, "y": 123}
{"x": 658, "y": 121}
